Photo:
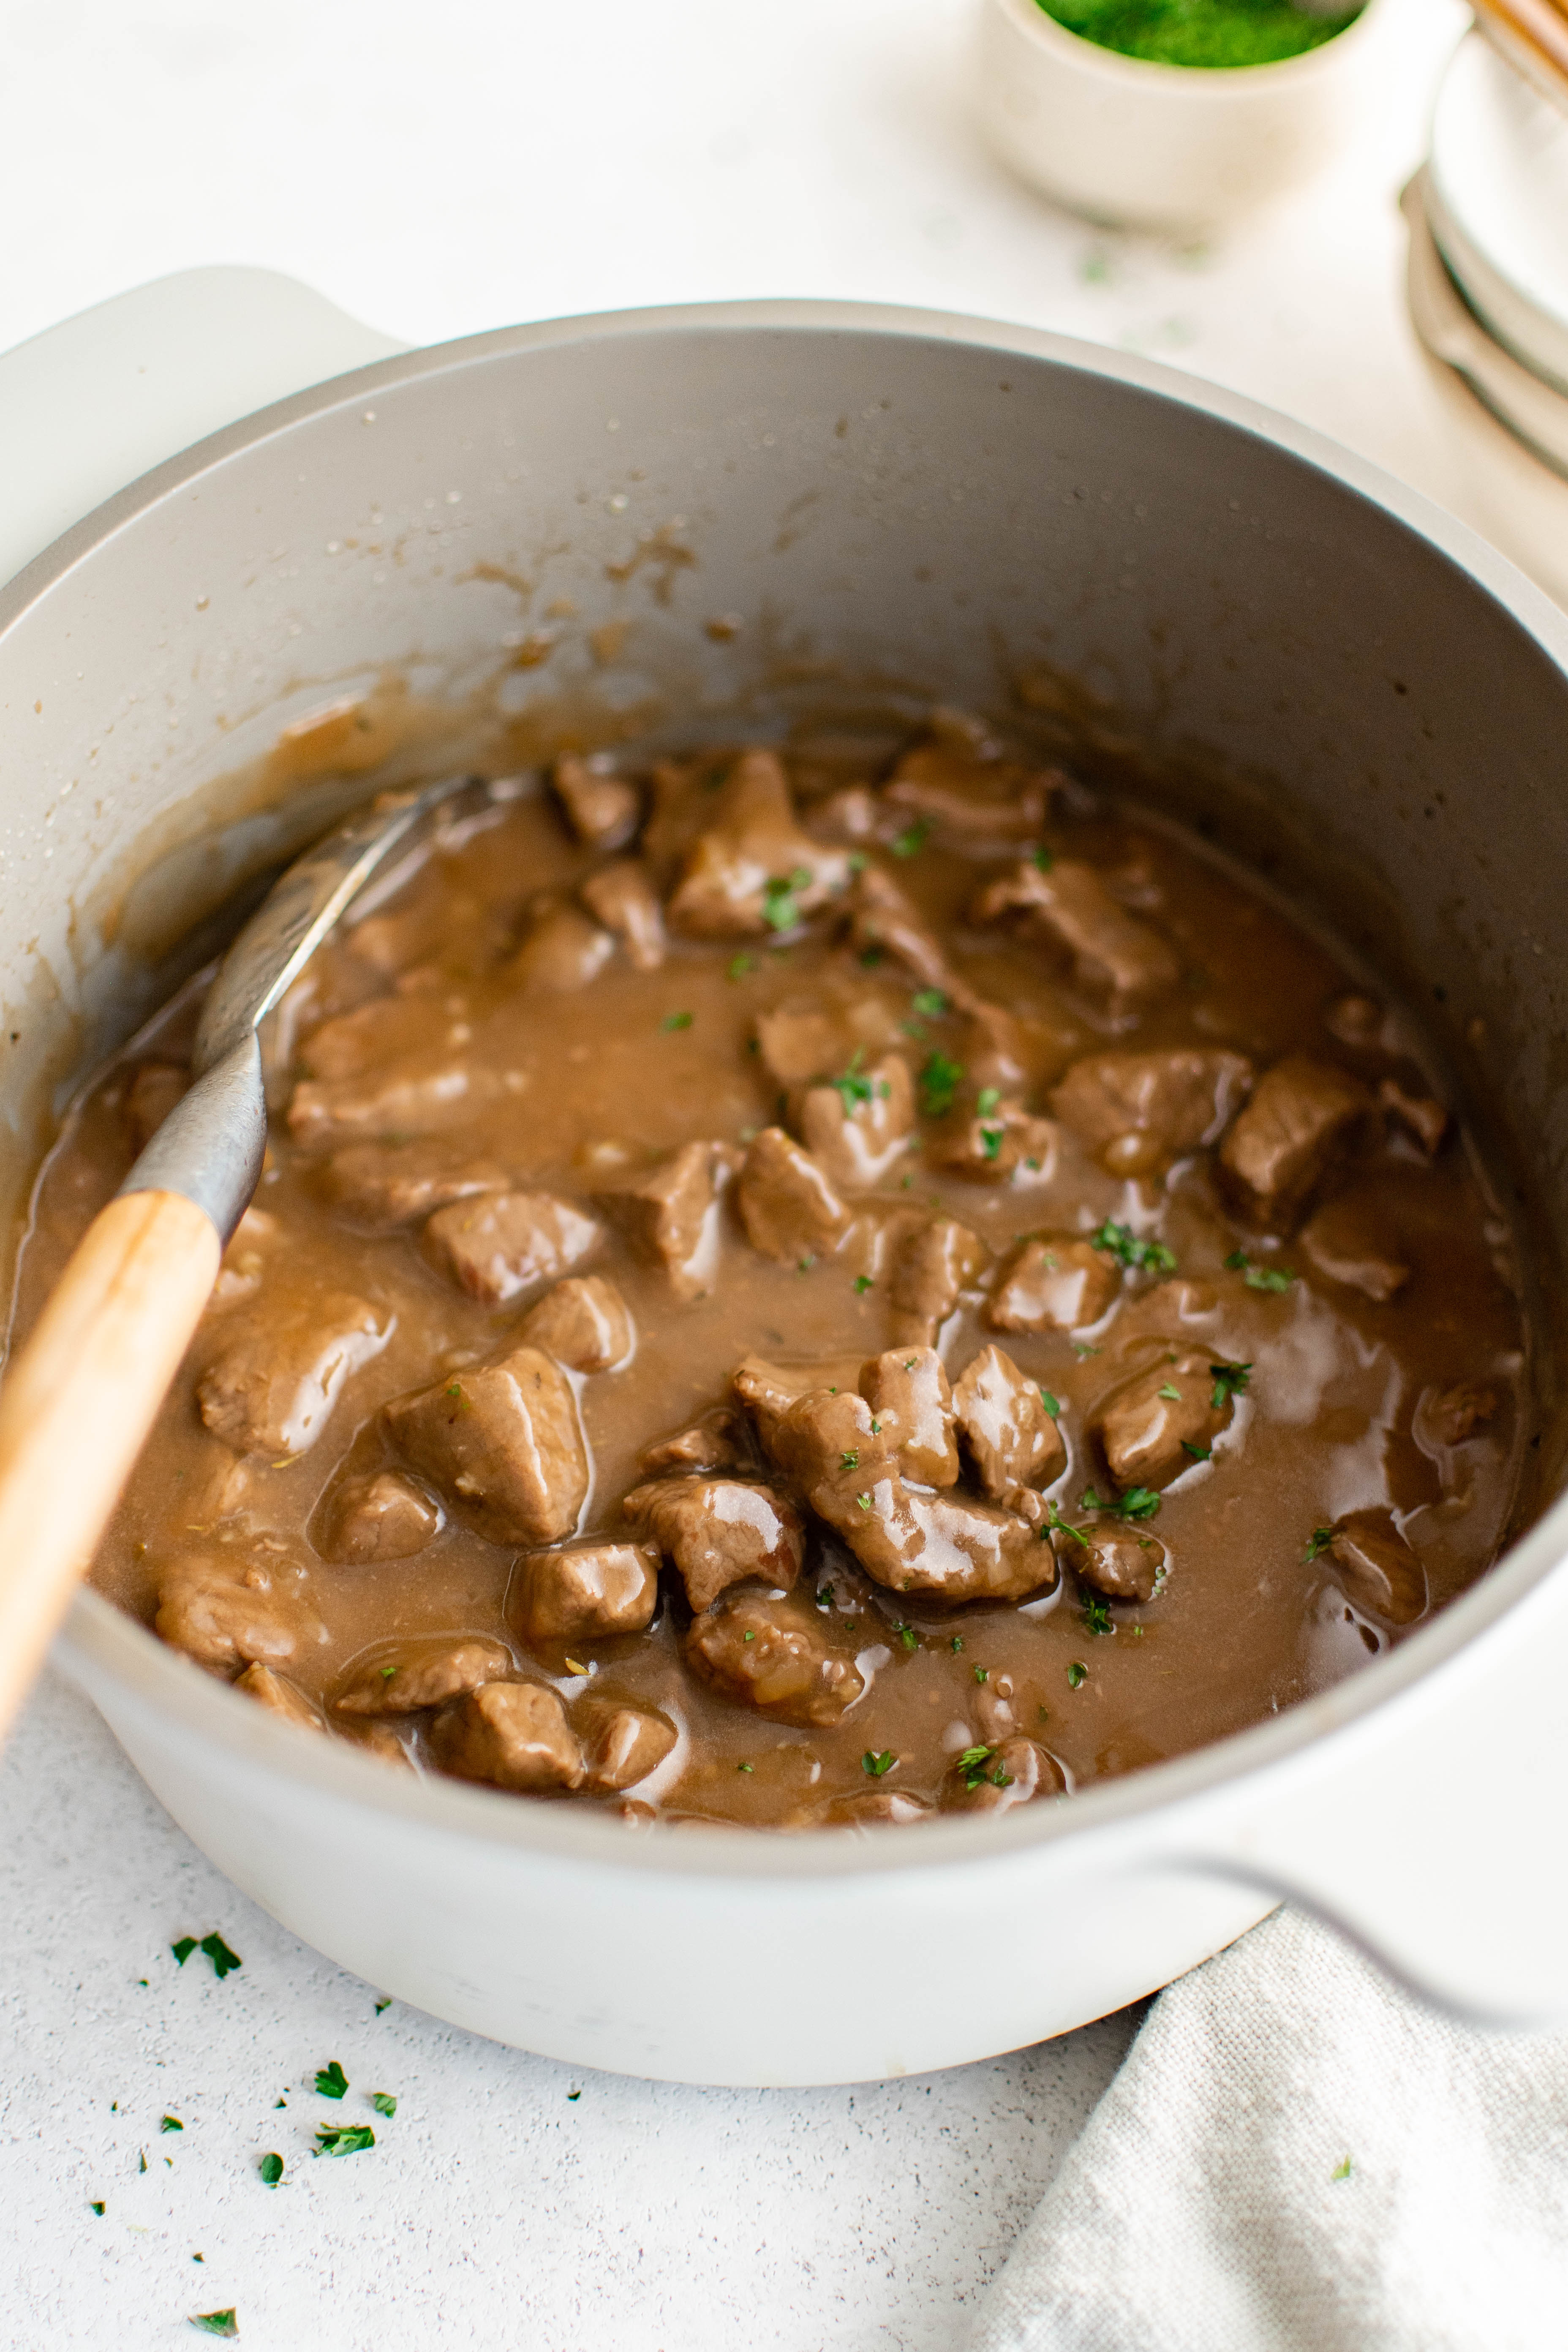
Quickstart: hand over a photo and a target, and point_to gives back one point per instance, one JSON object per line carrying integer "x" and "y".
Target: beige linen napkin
{"x": 1298, "y": 2157}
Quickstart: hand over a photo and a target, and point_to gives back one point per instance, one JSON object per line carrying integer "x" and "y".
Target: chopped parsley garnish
{"x": 780, "y": 911}
{"x": 910, "y": 841}
{"x": 1199, "y": 1452}
{"x": 332, "y": 2081}
{"x": 1229, "y": 1381}
{"x": 930, "y": 1001}
{"x": 745, "y": 1768}
{"x": 825, "y": 1596}
{"x": 739, "y": 966}
{"x": 385, "y": 2002}
{"x": 1052, "y": 1405}
{"x": 864, "y": 1501}
{"x": 675, "y": 1021}
{"x": 863, "y": 1283}
{"x": 940, "y": 1081}
{"x": 1077, "y": 1674}
{"x": 1318, "y": 1541}
{"x": 384, "y": 2101}
{"x": 850, "y": 1461}
{"x": 386, "y": 1673}
{"x": 1044, "y": 859}
{"x": 876, "y": 1765}
{"x": 1173, "y": 1393}
{"x": 455, "y": 1389}
{"x": 871, "y": 956}
{"x": 991, "y": 1141}
{"x": 216, "y": 2323}
{"x": 986, "y": 1100}
{"x": 1124, "y": 1244}
{"x": 184, "y": 1948}
{"x": 170, "y": 2123}
{"x": 1081, "y": 1349}
{"x": 217, "y": 1950}
{"x": 982, "y": 1673}
{"x": 1260, "y": 1277}
{"x": 1138, "y": 1503}
{"x": 750, "y": 1634}
{"x": 956, "y": 1643}
{"x": 343, "y": 2140}
{"x": 807, "y": 1263}
{"x": 271, "y": 2170}
{"x": 1063, "y": 1526}
{"x": 95, "y": 2205}
{"x": 971, "y": 1764}
{"x": 853, "y": 1086}
{"x": 1096, "y": 1615}
{"x": 1341, "y": 2170}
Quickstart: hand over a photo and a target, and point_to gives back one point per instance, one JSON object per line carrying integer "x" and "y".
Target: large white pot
{"x": 1299, "y": 649}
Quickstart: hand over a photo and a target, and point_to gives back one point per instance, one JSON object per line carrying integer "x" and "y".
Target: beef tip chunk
{"x": 271, "y": 1386}
{"x": 942, "y": 1548}
{"x": 884, "y": 921}
{"x": 856, "y": 1127}
{"x": 583, "y": 1323}
{"x": 1008, "y": 1433}
{"x": 1053, "y": 1282}
{"x": 512, "y": 1735}
{"x": 383, "y": 1515}
{"x": 826, "y": 1431}
{"x": 1418, "y": 1115}
{"x": 227, "y": 1611}
{"x": 1348, "y": 1241}
{"x": 377, "y": 1739}
{"x": 400, "y": 1677}
{"x": 935, "y": 1265}
{"x": 754, "y": 870}
{"x": 1450, "y": 1416}
{"x": 505, "y": 1441}
{"x": 716, "y": 1531}
{"x": 602, "y": 809}
{"x": 245, "y": 1260}
{"x": 281, "y": 1697}
{"x": 621, "y": 1744}
{"x": 1108, "y": 953}
{"x": 1159, "y": 1424}
{"x": 1112, "y": 1559}
{"x": 1377, "y": 1569}
{"x": 909, "y": 1395}
{"x": 584, "y": 1588}
{"x": 803, "y": 1041}
{"x": 768, "y": 1390}
{"x": 1137, "y": 1112}
{"x": 379, "y": 1186}
{"x": 622, "y": 898}
{"x": 788, "y": 1207}
{"x": 504, "y": 1243}
{"x": 396, "y": 1066}
{"x": 154, "y": 1090}
{"x": 1303, "y": 1115}
{"x": 870, "y": 1806}
{"x": 765, "y": 1655}
{"x": 563, "y": 953}
{"x": 388, "y": 1030}
{"x": 999, "y": 1144}
{"x": 716, "y": 1441}
{"x": 671, "y": 1215}
{"x": 989, "y": 1780}
{"x": 969, "y": 796}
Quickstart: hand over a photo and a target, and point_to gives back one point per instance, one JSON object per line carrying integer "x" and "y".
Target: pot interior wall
{"x": 715, "y": 523}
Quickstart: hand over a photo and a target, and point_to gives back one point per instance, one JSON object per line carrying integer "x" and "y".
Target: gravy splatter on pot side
{"x": 794, "y": 1291}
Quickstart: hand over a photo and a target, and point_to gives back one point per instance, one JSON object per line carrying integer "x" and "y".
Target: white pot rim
{"x": 1092, "y": 58}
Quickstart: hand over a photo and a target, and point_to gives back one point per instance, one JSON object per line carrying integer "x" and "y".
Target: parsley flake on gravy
{"x": 1052, "y": 1403}
{"x": 1260, "y": 1277}
{"x": 780, "y": 911}
{"x": 1077, "y": 1674}
{"x": 1096, "y": 1615}
{"x": 876, "y": 1765}
{"x": 332, "y": 2081}
{"x": 863, "y": 1283}
{"x": 1318, "y": 1541}
{"x": 912, "y": 840}
{"x": 1229, "y": 1381}
{"x": 939, "y": 1080}
{"x": 1122, "y": 1243}
{"x": 930, "y": 1001}
{"x": 675, "y": 1021}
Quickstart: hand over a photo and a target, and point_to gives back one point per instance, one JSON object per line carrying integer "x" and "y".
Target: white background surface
{"x": 438, "y": 172}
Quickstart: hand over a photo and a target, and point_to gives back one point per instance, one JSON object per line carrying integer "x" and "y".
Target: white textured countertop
{"x": 437, "y": 172}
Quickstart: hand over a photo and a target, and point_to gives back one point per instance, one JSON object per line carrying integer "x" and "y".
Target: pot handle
{"x": 88, "y": 406}
{"x": 1435, "y": 1842}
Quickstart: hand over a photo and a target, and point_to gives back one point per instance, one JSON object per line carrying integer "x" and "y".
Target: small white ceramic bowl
{"x": 1157, "y": 146}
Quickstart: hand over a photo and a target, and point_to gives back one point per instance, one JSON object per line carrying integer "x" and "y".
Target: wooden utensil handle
{"x": 79, "y": 1400}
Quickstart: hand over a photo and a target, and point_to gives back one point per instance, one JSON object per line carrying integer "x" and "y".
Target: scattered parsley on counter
{"x": 1318, "y": 1541}
{"x": 577, "y": 2094}
{"x": 877, "y": 1765}
{"x": 1341, "y": 2170}
{"x": 343, "y": 2140}
{"x": 217, "y": 1950}
{"x": 184, "y": 1948}
{"x": 1229, "y": 1381}
{"x": 384, "y": 2101}
{"x": 1260, "y": 1277}
{"x": 1077, "y": 1674}
{"x": 216, "y": 2323}
{"x": 940, "y": 1081}
{"x": 385, "y": 2002}
{"x": 1123, "y": 1243}
{"x": 271, "y": 2169}
{"x": 170, "y": 2123}
{"x": 95, "y": 2206}
{"x": 332, "y": 2081}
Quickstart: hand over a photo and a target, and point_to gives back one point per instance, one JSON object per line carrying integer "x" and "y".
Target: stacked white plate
{"x": 1488, "y": 296}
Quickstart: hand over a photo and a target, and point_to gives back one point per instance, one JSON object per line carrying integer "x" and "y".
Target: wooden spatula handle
{"x": 77, "y": 1402}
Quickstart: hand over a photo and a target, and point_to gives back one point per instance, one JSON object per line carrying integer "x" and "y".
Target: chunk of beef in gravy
{"x": 908, "y": 1396}
{"x": 379, "y": 1186}
{"x": 999, "y": 1146}
{"x": 1446, "y": 1417}
{"x": 935, "y": 1265}
{"x": 1159, "y": 1423}
{"x": 718, "y": 1531}
{"x": 582, "y": 1589}
{"x": 245, "y": 1260}
{"x": 502, "y": 1441}
{"x": 671, "y": 1214}
{"x": 154, "y": 1090}
{"x": 566, "y": 951}
{"x": 869, "y": 1808}
{"x": 1008, "y": 1773}
{"x": 754, "y": 865}
{"x": 400, "y": 1677}
{"x": 1302, "y": 1117}
{"x": 1008, "y": 1435}
{"x": 1350, "y": 1241}
{"x": 768, "y": 1390}
{"x": 621, "y": 1744}
{"x": 857, "y": 1129}
{"x": 397, "y": 1066}
{"x": 383, "y": 1515}
{"x": 505, "y": 1243}
{"x": 1377, "y": 1569}
{"x": 716, "y": 1441}
{"x": 622, "y": 898}
{"x": 228, "y": 1611}
{"x": 583, "y": 1323}
{"x": 271, "y": 1386}
{"x": 969, "y": 799}
{"x": 942, "y": 1548}
{"x": 1137, "y": 1112}
{"x": 1053, "y": 1282}
{"x": 1425, "y": 1121}
{"x": 375, "y": 1738}
{"x": 1116, "y": 1561}
{"x": 281, "y": 1697}
{"x": 603, "y": 809}
{"x": 787, "y": 1205}
{"x": 883, "y": 921}
{"x": 1108, "y": 953}
{"x": 765, "y": 1655}
{"x": 512, "y": 1735}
